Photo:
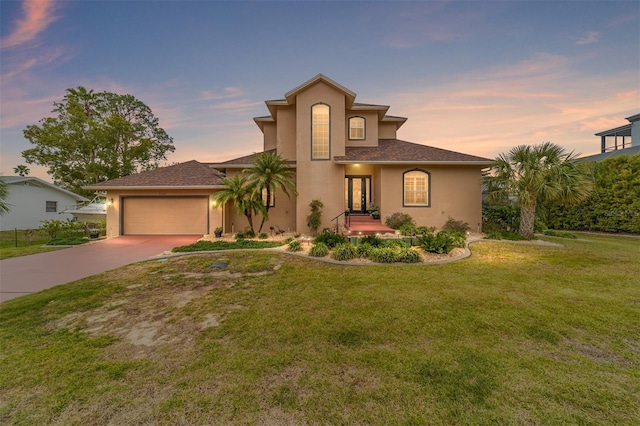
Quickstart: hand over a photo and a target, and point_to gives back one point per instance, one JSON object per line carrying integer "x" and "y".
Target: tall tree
{"x": 21, "y": 170}
{"x": 271, "y": 173}
{"x": 535, "y": 174}
{"x": 95, "y": 137}
{"x": 242, "y": 195}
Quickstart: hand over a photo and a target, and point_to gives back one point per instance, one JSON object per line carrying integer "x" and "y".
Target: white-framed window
{"x": 320, "y": 129}
{"x": 416, "y": 188}
{"x": 51, "y": 206}
{"x": 357, "y": 128}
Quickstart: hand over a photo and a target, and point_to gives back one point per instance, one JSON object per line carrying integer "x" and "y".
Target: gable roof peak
{"x": 290, "y": 95}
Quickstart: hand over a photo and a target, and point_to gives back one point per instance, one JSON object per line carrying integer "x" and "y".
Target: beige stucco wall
{"x": 114, "y": 210}
{"x": 270, "y": 137}
{"x": 387, "y": 130}
{"x": 371, "y": 128}
{"x": 455, "y": 192}
{"x": 319, "y": 179}
{"x": 286, "y": 132}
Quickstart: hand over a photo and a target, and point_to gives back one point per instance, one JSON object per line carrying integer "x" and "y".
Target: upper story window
{"x": 356, "y": 128}
{"x": 51, "y": 207}
{"x": 320, "y": 127}
{"x": 416, "y": 188}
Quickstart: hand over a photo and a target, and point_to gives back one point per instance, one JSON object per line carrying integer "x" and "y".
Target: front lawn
{"x": 516, "y": 334}
{"x": 22, "y": 243}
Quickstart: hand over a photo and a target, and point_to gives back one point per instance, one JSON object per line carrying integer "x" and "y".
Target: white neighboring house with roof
{"x": 33, "y": 200}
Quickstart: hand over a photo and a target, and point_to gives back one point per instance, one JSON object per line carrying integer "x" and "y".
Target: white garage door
{"x": 165, "y": 215}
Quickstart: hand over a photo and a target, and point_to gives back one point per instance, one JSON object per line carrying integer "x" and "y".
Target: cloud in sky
{"x": 37, "y": 16}
{"x": 531, "y": 101}
{"x": 589, "y": 38}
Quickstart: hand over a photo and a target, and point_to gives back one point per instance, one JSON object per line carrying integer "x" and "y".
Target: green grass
{"x": 516, "y": 334}
{"x": 226, "y": 245}
{"x": 28, "y": 242}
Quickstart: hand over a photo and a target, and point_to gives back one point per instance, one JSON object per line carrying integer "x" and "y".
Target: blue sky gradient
{"x": 476, "y": 77}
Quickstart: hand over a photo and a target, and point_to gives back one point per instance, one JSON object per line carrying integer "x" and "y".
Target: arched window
{"x": 320, "y": 129}
{"x": 356, "y": 128}
{"x": 416, "y": 188}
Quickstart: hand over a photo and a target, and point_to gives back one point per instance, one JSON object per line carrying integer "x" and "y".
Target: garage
{"x": 177, "y": 215}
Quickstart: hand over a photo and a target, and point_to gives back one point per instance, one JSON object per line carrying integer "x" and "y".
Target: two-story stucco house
{"x": 344, "y": 153}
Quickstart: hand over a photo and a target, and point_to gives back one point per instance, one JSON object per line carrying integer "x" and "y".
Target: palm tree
{"x": 270, "y": 173}
{"x": 242, "y": 195}
{"x": 537, "y": 174}
{"x": 21, "y": 170}
{"x": 4, "y": 192}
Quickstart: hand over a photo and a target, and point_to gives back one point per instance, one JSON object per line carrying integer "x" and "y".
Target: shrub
{"x": 319, "y": 250}
{"x": 408, "y": 230}
{"x": 67, "y": 241}
{"x": 249, "y": 233}
{"x": 395, "y": 243}
{"x": 294, "y": 246}
{"x": 315, "y": 217}
{"x": 63, "y": 229}
{"x": 559, "y": 234}
{"x": 363, "y": 250}
{"x": 372, "y": 240}
{"x": 396, "y": 220}
{"x": 423, "y": 230}
{"x": 407, "y": 255}
{"x": 263, "y": 236}
{"x": 500, "y": 218}
{"x": 331, "y": 239}
{"x": 239, "y": 236}
{"x": 344, "y": 251}
{"x": 505, "y": 235}
{"x": 382, "y": 255}
{"x": 288, "y": 240}
{"x": 456, "y": 225}
{"x": 442, "y": 242}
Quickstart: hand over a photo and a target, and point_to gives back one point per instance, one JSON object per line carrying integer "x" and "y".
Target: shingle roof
{"x": 10, "y": 180}
{"x": 397, "y": 151}
{"x": 188, "y": 174}
{"x": 246, "y": 160}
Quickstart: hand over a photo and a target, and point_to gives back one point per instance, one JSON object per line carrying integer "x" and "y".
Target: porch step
{"x": 366, "y": 225}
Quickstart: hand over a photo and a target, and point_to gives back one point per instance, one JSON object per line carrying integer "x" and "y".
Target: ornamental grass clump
{"x": 331, "y": 239}
{"x": 372, "y": 240}
{"x": 294, "y": 246}
{"x": 319, "y": 250}
{"x": 442, "y": 242}
{"x": 364, "y": 249}
{"x": 345, "y": 251}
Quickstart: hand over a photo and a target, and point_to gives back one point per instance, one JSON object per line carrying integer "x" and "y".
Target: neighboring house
{"x": 344, "y": 153}
{"x": 33, "y": 200}
{"x": 623, "y": 140}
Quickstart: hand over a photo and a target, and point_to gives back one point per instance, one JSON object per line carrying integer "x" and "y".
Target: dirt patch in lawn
{"x": 148, "y": 327}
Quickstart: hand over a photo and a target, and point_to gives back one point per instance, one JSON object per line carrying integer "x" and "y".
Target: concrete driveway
{"x": 30, "y": 274}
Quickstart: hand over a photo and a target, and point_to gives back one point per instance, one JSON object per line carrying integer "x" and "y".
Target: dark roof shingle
{"x": 395, "y": 150}
{"x": 188, "y": 174}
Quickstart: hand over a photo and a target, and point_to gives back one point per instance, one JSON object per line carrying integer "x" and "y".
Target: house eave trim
{"x": 160, "y": 187}
{"x": 413, "y": 162}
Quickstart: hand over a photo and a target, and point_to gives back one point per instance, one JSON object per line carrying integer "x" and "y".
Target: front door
{"x": 357, "y": 193}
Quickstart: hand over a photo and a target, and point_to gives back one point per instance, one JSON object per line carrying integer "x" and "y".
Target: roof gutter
{"x": 138, "y": 187}
{"x": 431, "y": 163}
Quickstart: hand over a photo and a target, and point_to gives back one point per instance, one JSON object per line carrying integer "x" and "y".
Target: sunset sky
{"x": 475, "y": 77}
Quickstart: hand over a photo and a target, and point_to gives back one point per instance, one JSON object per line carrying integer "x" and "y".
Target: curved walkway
{"x": 30, "y": 274}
